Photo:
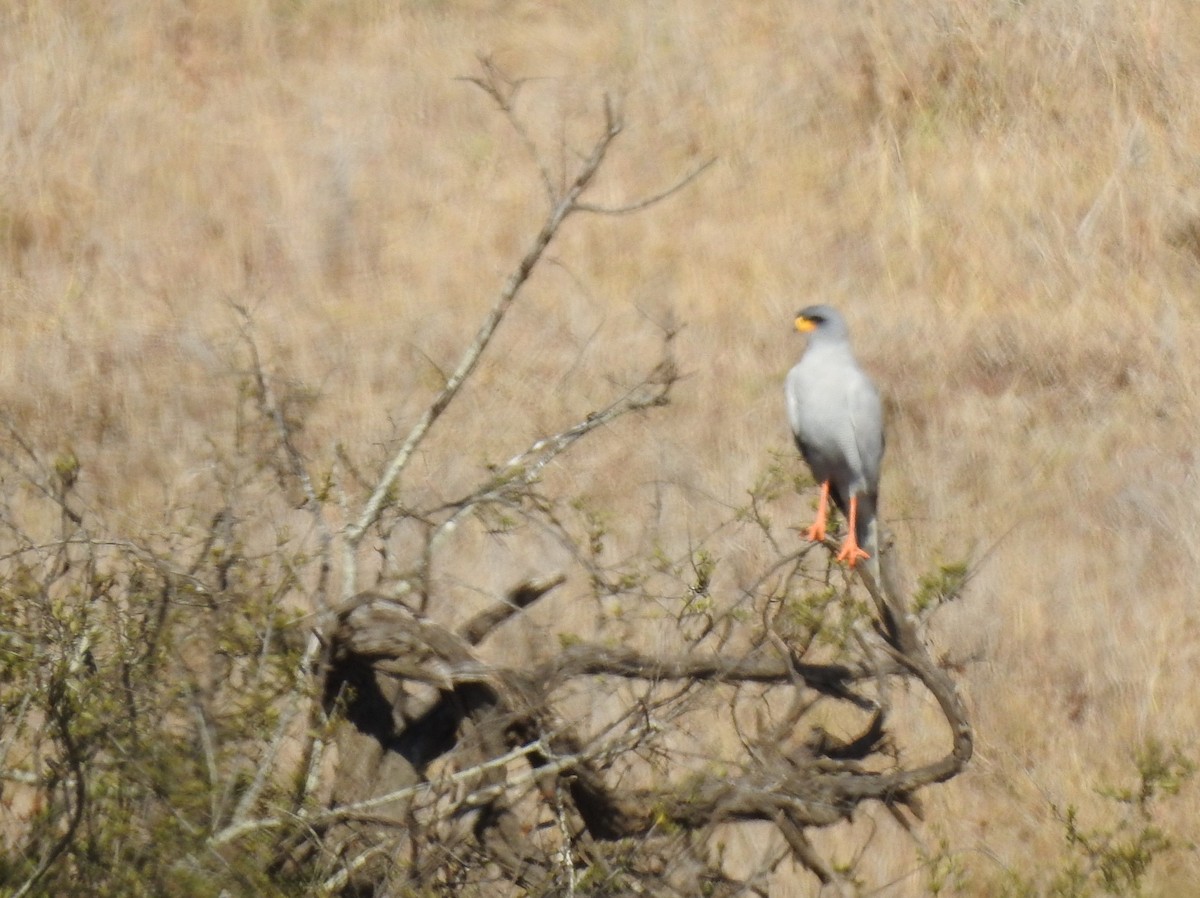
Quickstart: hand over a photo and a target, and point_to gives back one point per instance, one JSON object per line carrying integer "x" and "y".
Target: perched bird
{"x": 837, "y": 421}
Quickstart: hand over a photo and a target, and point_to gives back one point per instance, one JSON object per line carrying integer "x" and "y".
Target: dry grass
{"x": 1003, "y": 197}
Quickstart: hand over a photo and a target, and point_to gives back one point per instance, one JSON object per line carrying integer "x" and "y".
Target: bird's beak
{"x": 804, "y": 325}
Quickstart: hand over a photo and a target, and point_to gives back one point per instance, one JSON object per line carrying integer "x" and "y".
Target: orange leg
{"x": 817, "y": 531}
{"x": 851, "y": 551}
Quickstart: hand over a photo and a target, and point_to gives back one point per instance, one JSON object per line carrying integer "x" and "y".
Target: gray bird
{"x": 837, "y": 420}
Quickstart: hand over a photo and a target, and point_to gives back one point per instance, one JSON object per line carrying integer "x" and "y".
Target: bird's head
{"x": 821, "y": 320}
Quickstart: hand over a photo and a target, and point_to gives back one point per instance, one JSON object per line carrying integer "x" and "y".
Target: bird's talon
{"x": 851, "y": 552}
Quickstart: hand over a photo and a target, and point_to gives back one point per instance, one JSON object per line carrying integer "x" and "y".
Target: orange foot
{"x": 851, "y": 551}
{"x": 817, "y": 531}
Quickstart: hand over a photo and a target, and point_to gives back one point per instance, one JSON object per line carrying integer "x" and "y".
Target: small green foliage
{"x": 700, "y": 605}
{"x": 806, "y": 614}
{"x": 66, "y": 470}
{"x": 941, "y": 586}
{"x": 663, "y": 822}
{"x": 1116, "y": 856}
{"x": 944, "y": 870}
{"x": 802, "y": 482}
{"x": 1161, "y": 771}
{"x": 660, "y": 562}
{"x": 628, "y": 580}
{"x": 595, "y": 522}
{"x": 770, "y": 483}
{"x": 156, "y": 691}
{"x": 496, "y": 519}
{"x": 827, "y": 617}
{"x": 767, "y": 488}
{"x": 1015, "y": 885}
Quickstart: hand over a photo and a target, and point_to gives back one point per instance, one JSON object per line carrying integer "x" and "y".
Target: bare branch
{"x": 585, "y": 659}
{"x": 558, "y": 214}
{"x": 524, "y": 469}
{"x": 503, "y": 91}
{"x": 802, "y": 849}
{"x": 285, "y": 434}
{"x": 651, "y": 200}
{"x": 517, "y": 600}
{"x": 906, "y": 648}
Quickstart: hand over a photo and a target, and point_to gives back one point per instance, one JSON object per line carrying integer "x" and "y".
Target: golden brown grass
{"x": 1001, "y": 196}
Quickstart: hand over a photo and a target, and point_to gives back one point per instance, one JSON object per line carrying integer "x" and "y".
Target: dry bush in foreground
{"x": 223, "y": 711}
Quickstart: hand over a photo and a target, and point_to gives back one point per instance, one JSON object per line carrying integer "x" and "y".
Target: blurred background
{"x": 1002, "y": 197}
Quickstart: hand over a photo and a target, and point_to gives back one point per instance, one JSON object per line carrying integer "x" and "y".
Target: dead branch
{"x": 815, "y": 783}
{"x": 639, "y": 205}
{"x": 503, "y": 91}
{"x": 563, "y": 208}
{"x": 518, "y": 599}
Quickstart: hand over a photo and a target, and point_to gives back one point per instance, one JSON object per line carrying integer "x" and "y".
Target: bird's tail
{"x": 865, "y": 530}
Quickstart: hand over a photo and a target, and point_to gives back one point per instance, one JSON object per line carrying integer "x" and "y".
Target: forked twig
{"x": 502, "y": 91}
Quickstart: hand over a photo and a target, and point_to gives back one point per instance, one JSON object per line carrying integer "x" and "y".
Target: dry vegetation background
{"x": 1003, "y": 197}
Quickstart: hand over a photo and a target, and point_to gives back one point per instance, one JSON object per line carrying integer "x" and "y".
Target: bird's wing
{"x": 809, "y": 417}
{"x": 794, "y": 389}
{"x": 866, "y": 417}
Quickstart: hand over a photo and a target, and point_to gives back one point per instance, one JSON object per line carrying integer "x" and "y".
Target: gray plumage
{"x": 837, "y": 418}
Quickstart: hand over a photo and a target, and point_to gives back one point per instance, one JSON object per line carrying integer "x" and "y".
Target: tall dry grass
{"x": 1003, "y": 197}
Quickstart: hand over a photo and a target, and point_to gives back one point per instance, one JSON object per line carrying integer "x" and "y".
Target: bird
{"x": 837, "y": 421}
